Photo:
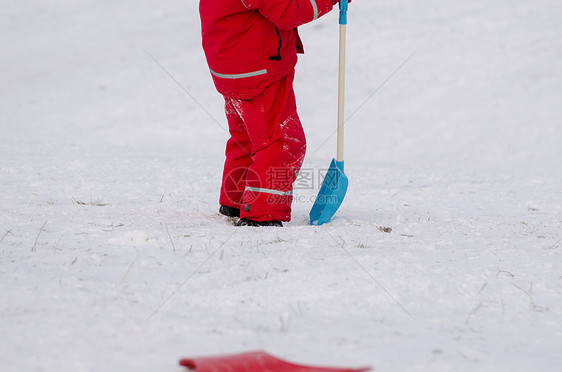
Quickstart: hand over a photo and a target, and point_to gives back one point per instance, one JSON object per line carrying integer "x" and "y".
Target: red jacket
{"x": 251, "y": 43}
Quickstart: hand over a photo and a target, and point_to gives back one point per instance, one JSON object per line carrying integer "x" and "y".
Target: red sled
{"x": 257, "y": 361}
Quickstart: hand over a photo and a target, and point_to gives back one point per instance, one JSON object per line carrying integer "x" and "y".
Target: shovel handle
{"x": 343, "y": 11}
{"x": 341, "y": 77}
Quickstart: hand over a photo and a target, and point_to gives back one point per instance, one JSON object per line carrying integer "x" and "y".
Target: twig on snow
{"x": 482, "y": 288}
{"x": 534, "y": 306}
{"x": 171, "y": 240}
{"x": 505, "y": 272}
{"x": 473, "y": 312}
{"x": 127, "y": 272}
{"x": 481, "y": 305}
{"x": 6, "y": 234}
{"x": 37, "y": 237}
{"x": 528, "y": 293}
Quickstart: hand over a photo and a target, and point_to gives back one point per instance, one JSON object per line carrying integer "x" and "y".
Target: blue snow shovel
{"x": 335, "y": 182}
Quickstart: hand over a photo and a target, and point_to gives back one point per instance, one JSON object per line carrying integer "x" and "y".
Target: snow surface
{"x": 445, "y": 255}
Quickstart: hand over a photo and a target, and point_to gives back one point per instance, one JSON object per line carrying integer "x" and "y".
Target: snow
{"x": 445, "y": 255}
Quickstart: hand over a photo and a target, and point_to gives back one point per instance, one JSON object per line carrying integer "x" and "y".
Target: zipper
{"x": 280, "y": 44}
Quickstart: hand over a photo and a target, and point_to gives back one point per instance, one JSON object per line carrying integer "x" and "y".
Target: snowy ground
{"x": 445, "y": 256}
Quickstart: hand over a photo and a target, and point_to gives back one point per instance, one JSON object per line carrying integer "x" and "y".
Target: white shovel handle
{"x": 341, "y": 92}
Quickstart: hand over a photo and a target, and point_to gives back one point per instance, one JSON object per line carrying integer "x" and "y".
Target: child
{"x": 251, "y": 48}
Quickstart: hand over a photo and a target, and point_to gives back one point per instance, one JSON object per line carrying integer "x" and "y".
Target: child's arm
{"x": 288, "y": 14}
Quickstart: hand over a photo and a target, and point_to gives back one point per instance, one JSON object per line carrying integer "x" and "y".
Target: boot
{"x": 229, "y": 211}
{"x": 248, "y": 222}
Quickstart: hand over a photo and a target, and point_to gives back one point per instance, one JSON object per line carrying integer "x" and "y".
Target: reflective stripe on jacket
{"x": 251, "y": 43}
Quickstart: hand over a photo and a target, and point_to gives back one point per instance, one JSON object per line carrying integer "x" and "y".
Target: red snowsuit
{"x": 251, "y": 48}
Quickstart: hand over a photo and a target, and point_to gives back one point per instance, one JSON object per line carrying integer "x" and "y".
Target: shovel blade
{"x": 331, "y": 194}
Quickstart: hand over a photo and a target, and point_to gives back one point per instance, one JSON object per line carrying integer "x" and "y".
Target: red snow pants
{"x": 264, "y": 153}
